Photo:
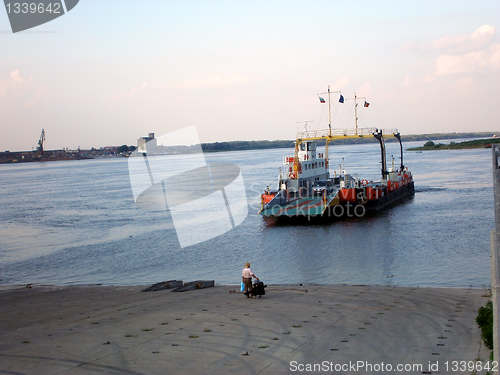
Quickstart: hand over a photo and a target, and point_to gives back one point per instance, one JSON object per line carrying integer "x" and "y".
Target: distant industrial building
{"x": 150, "y": 140}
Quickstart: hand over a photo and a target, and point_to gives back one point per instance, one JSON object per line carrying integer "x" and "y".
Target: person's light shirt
{"x": 247, "y": 273}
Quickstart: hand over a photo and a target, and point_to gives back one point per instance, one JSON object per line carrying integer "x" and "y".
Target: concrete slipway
{"x": 292, "y": 329}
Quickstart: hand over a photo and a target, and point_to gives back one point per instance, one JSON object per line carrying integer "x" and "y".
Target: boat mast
{"x": 329, "y": 113}
{"x": 327, "y": 135}
{"x": 356, "y": 112}
{"x": 329, "y": 138}
{"x": 356, "y": 109}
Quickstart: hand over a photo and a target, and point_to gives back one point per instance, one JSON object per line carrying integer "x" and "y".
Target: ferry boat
{"x": 306, "y": 188}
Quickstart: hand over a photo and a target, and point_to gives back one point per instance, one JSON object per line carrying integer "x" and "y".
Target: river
{"x": 75, "y": 222}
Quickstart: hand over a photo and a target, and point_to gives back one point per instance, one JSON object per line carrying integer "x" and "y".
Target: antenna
{"x": 305, "y": 123}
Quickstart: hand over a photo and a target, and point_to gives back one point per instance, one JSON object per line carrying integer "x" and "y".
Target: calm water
{"x": 75, "y": 222}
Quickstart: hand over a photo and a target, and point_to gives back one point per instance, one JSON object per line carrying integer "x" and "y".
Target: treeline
{"x": 257, "y": 145}
{"x": 245, "y": 145}
{"x": 479, "y": 143}
{"x": 434, "y": 136}
{"x": 125, "y": 148}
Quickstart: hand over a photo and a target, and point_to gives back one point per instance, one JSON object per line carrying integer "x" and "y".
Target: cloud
{"x": 213, "y": 81}
{"x": 341, "y": 83}
{"x": 138, "y": 90}
{"x": 485, "y": 32}
{"x": 475, "y": 53}
{"x": 364, "y": 89}
{"x": 16, "y": 82}
{"x": 481, "y": 61}
{"x": 19, "y": 89}
{"x": 16, "y": 77}
{"x": 463, "y": 85}
{"x": 145, "y": 90}
{"x": 480, "y": 38}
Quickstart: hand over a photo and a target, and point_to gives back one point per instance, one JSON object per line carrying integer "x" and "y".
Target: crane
{"x": 39, "y": 149}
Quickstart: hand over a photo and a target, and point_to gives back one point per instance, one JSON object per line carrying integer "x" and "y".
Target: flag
{"x": 322, "y": 100}
{"x": 341, "y": 99}
{"x": 366, "y": 104}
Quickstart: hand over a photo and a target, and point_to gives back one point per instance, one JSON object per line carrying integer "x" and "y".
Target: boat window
{"x": 302, "y": 147}
{"x": 311, "y": 146}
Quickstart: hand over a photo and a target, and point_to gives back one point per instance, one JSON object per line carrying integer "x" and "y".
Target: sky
{"x": 109, "y": 72}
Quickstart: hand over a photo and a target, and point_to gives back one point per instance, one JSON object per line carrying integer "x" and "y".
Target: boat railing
{"x": 336, "y": 133}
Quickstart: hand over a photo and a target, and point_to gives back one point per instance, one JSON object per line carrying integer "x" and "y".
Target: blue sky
{"x": 109, "y": 72}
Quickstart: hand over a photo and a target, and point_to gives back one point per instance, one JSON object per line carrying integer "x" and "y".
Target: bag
{"x": 242, "y": 288}
{"x": 258, "y": 289}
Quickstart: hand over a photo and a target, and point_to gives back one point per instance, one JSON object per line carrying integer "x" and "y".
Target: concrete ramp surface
{"x": 292, "y": 329}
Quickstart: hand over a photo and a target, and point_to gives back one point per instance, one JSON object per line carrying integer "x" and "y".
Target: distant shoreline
{"x": 8, "y": 157}
{"x": 262, "y": 145}
{"x": 479, "y": 143}
{"x": 256, "y": 145}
